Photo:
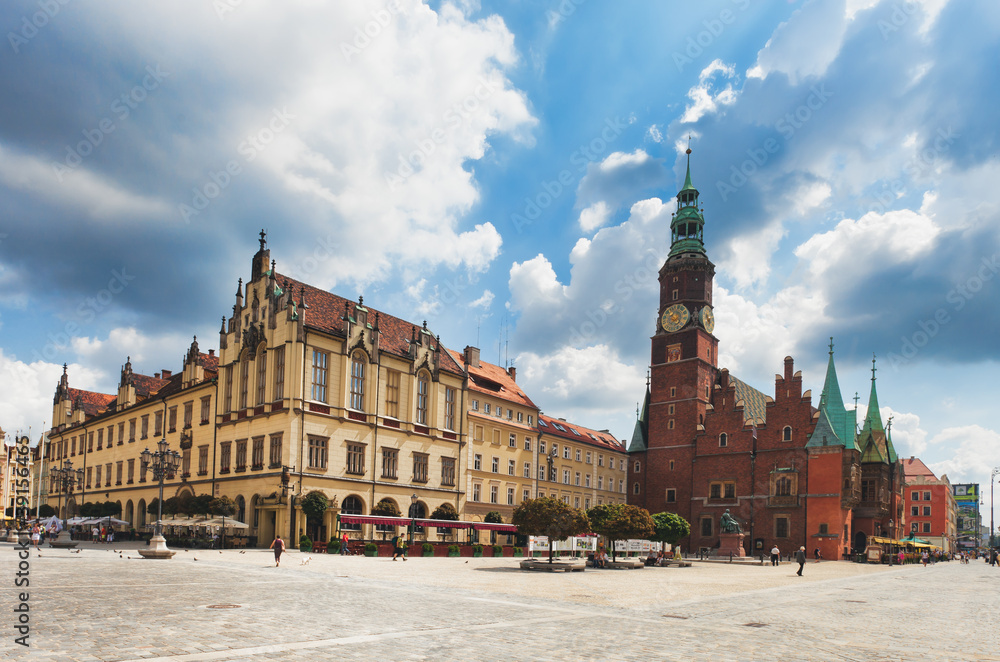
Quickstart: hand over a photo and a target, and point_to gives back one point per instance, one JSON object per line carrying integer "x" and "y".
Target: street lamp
{"x": 993, "y": 475}
{"x": 413, "y": 515}
{"x": 65, "y": 479}
{"x": 162, "y": 462}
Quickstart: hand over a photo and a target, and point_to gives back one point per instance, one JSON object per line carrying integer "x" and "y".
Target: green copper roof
{"x": 640, "y": 435}
{"x": 873, "y": 419}
{"x": 873, "y": 434}
{"x": 831, "y": 406}
{"x": 871, "y": 452}
{"x": 824, "y": 433}
{"x": 687, "y": 227}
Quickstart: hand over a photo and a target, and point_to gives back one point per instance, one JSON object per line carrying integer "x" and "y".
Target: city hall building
{"x": 706, "y": 441}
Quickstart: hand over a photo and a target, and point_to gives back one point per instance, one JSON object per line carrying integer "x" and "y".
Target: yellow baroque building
{"x": 312, "y": 392}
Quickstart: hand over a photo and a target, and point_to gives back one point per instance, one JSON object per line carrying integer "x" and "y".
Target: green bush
{"x": 518, "y": 550}
{"x": 477, "y": 549}
{"x": 370, "y": 547}
{"x": 427, "y": 547}
{"x": 497, "y": 550}
{"x": 305, "y": 544}
{"x": 453, "y": 549}
{"x": 333, "y": 547}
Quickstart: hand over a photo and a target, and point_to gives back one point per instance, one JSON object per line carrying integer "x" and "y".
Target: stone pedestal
{"x": 63, "y": 540}
{"x": 731, "y": 544}
{"x": 157, "y": 549}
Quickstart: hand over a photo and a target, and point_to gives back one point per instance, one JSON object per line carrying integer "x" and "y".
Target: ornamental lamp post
{"x": 162, "y": 462}
{"x": 65, "y": 478}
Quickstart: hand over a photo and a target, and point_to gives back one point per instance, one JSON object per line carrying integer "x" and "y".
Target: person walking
{"x": 925, "y": 557}
{"x": 345, "y": 544}
{"x": 800, "y": 558}
{"x": 398, "y": 547}
{"x": 775, "y": 556}
{"x": 278, "y": 545}
{"x": 36, "y": 536}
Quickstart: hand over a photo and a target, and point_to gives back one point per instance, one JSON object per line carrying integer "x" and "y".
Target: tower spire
{"x": 687, "y": 225}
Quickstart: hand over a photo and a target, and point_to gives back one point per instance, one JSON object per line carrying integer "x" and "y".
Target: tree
{"x": 385, "y": 508}
{"x": 620, "y": 521}
{"x": 108, "y": 509}
{"x": 45, "y": 510}
{"x": 446, "y": 511}
{"x": 88, "y": 510}
{"x": 314, "y": 505}
{"x": 493, "y": 517}
{"x": 170, "y": 506}
{"x": 222, "y": 505}
{"x": 550, "y": 517}
{"x": 153, "y": 507}
{"x": 670, "y": 527}
{"x": 203, "y": 504}
{"x": 185, "y": 504}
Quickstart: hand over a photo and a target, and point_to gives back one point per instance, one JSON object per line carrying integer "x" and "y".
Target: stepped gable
{"x": 93, "y": 403}
{"x": 558, "y": 427}
{"x": 493, "y": 380}
{"x": 326, "y": 311}
{"x": 754, "y": 402}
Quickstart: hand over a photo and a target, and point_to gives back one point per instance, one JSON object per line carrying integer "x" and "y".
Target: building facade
{"x": 311, "y": 392}
{"x": 930, "y": 506}
{"x": 707, "y": 442}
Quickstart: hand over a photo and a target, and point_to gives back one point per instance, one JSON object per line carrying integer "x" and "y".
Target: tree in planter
{"x": 202, "y": 504}
{"x": 45, "y": 510}
{"x": 620, "y": 521}
{"x": 493, "y": 517}
{"x": 305, "y": 544}
{"x": 314, "y": 505}
{"x": 550, "y": 517}
{"x": 445, "y": 511}
{"x": 669, "y": 528}
{"x": 385, "y": 508}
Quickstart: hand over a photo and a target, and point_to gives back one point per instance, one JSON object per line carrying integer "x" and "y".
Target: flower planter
{"x": 518, "y": 554}
{"x": 477, "y": 554}
{"x": 455, "y": 554}
{"x": 428, "y": 554}
{"x": 372, "y": 553}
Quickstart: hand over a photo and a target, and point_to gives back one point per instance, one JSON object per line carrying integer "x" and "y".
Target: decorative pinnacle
{"x": 831, "y": 345}
{"x": 873, "y": 366}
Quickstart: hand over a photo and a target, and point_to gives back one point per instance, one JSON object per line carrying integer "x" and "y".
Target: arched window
{"x": 423, "y": 385}
{"x": 635, "y": 487}
{"x": 418, "y": 511}
{"x": 638, "y": 466}
{"x": 786, "y": 434}
{"x": 241, "y": 509}
{"x": 358, "y": 381}
{"x": 141, "y": 514}
{"x": 723, "y": 440}
{"x": 351, "y": 506}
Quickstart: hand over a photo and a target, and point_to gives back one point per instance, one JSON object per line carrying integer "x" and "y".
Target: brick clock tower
{"x": 683, "y": 367}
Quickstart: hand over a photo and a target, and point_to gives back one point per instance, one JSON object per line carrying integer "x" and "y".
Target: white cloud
{"x": 654, "y": 133}
{"x": 749, "y": 255}
{"x": 594, "y": 216}
{"x": 806, "y": 44}
{"x": 705, "y": 97}
{"x": 619, "y": 179}
{"x": 485, "y": 301}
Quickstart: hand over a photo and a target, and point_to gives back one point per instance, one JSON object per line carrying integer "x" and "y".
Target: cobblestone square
{"x": 107, "y": 605}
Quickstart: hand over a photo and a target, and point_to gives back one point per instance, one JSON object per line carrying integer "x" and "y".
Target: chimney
{"x": 472, "y": 356}
{"x": 211, "y": 352}
{"x": 512, "y": 371}
{"x": 789, "y": 368}
{"x": 166, "y": 374}
{"x": 156, "y": 374}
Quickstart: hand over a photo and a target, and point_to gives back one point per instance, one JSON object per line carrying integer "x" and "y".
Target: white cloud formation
{"x": 806, "y": 44}
{"x": 484, "y": 302}
{"x": 594, "y": 216}
{"x": 705, "y": 97}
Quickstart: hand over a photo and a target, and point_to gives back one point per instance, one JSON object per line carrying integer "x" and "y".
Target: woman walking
{"x": 278, "y": 545}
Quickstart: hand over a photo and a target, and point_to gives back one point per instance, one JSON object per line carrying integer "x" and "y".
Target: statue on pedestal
{"x": 729, "y": 524}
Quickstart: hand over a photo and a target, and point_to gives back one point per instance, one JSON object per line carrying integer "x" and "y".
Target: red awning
{"x": 443, "y": 523}
{"x": 372, "y": 519}
{"x": 503, "y": 528}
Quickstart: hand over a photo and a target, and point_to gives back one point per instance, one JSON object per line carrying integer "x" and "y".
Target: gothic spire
{"x": 688, "y": 224}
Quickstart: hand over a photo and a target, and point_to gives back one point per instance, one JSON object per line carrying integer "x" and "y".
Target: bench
{"x": 319, "y": 547}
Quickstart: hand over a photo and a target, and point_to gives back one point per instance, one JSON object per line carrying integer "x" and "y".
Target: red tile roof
{"x": 913, "y": 467}
{"x": 326, "y": 311}
{"x": 209, "y": 362}
{"x": 93, "y": 403}
{"x": 493, "y": 380}
{"x": 548, "y": 425}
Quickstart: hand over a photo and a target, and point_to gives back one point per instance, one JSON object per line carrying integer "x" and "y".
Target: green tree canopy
{"x": 88, "y": 509}
{"x": 202, "y": 504}
{"x": 223, "y": 506}
{"x": 386, "y": 508}
{"x": 108, "y": 509}
{"x": 152, "y": 508}
{"x": 620, "y": 521}
{"x": 45, "y": 510}
{"x": 670, "y": 527}
{"x": 185, "y": 504}
{"x": 493, "y": 517}
{"x": 314, "y": 504}
{"x": 550, "y": 517}
{"x": 171, "y": 506}
{"x": 445, "y": 511}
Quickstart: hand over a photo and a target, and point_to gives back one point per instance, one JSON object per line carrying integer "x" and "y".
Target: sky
{"x": 506, "y": 171}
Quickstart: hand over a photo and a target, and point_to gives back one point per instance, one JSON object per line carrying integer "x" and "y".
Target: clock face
{"x": 675, "y": 317}
{"x": 707, "y": 319}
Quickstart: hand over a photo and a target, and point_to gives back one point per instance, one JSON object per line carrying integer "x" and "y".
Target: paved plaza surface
{"x": 102, "y": 605}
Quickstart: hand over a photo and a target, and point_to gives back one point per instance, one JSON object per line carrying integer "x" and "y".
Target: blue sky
{"x": 507, "y": 170}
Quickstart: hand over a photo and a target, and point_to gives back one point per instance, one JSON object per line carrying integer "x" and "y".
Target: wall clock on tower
{"x": 707, "y": 319}
{"x": 674, "y": 318}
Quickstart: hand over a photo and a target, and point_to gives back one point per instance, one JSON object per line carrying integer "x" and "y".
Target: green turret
{"x": 688, "y": 224}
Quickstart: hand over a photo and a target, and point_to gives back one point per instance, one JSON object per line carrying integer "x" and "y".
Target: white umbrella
{"x": 225, "y": 521}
